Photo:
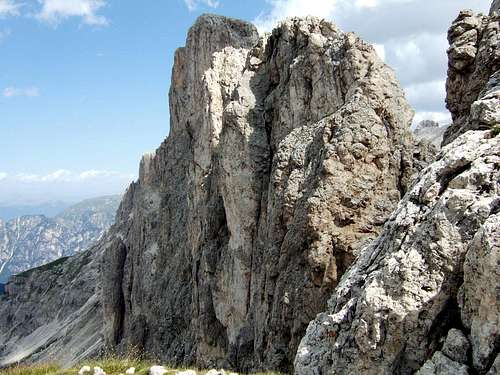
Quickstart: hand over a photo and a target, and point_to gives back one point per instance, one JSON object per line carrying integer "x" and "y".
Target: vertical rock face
{"x": 423, "y": 297}
{"x": 286, "y": 156}
{"x": 474, "y": 56}
{"x": 287, "y": 153}
{"x": 422, "y": 276}
{"x": 495, "y": 6}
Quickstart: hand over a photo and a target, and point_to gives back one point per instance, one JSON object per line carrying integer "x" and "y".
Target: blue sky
{"x": 84, "y": 83}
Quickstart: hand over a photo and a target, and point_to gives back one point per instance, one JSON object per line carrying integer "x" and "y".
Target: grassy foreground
{"x": 112, "y": 366}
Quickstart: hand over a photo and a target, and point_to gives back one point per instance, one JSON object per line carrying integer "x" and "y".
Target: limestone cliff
{"x": 423, "y": 297}
{"x": 286, "y": 155}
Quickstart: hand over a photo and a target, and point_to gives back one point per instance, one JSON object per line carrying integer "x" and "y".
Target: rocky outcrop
{"x": 473, "y": 58}
{"x": 33, "y": 240}
{"x": 407, "y": 289}
{"x": 495, "y": 6}
{"x": 286, "y": 155}
{"x": 423, "y": 297}
{"x": 478, "y": 296}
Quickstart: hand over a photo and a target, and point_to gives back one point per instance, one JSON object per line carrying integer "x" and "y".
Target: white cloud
{"x": 64, "y": 175}
{"x": 192, "y": 5}
{"x": 380, "y": 48}
{"x": 418, "y": 57}
{"x": 9, "y": 8}
{"x": 366, "y": 3}
{"x": 94, "y": 173}
{"x": 427, "y": 96}
{"x": 61, "y": 184}
{"x": 329, "y": 9}
{"x": 55, "y": 11}
{"x": 10, "y": 92}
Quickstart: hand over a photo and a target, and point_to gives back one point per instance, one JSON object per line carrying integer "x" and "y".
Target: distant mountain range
{"x": 32, "y": 240}
{"x": 431, "y": 131}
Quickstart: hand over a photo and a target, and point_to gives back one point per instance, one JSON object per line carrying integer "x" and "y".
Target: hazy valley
{"x": 33, "y": 240}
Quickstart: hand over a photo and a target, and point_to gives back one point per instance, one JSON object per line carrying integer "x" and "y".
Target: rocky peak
{"x": 427, "y": 124}
{"x": 287, "y": 153}
{"x": 208, "y": 37}
{"x": 430, "y": 131}
{"x": 473, "y": 57}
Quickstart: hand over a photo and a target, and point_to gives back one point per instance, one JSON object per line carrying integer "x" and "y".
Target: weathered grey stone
{"x": 479, "y": 295}
{"x": 495, "y": 6}
{"x": 484, "y": 111}
{"x": 287, "y": 153}
{"x": 294, "y": 150}
{"x": 456, "y": 346}
{"x": 442, "y": 365}
{"x": 473, "y": 58}
{"x": 215, "y": 372}
{"x": 495, "y": 368}
{"x": 396, "y": 302}
{"x": 431, "y": 132}
{"x": 160, "y": 370}
{"x": 53, "y": 312}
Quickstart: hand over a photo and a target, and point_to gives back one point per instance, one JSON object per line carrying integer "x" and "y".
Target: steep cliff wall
{"x": 287, "y": 153}
{"x": 424, "y": 296}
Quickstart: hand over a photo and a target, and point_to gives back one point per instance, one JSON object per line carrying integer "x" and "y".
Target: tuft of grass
{"x": 495, "y": 130}
{"x": 111, "y": 365}
{"x": 44, "y": 369}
